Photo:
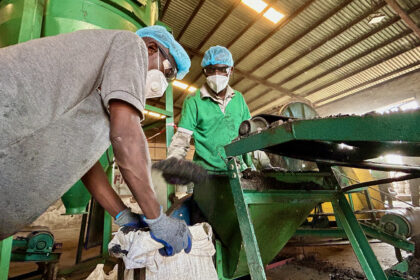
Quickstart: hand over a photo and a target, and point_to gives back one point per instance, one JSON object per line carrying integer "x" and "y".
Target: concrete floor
{"x": 315, "y": 262}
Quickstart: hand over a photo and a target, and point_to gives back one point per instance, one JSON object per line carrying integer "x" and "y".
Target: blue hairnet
{"x": 160, "y": 34}
{"x": 217, "y": 55}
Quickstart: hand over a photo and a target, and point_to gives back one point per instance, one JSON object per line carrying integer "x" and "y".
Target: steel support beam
{"x": 165, "y": 8}
{"x": 279, "y": 25}
{"x": 5, "y": 256}
{"x": 351, "y": 60}
{"x": 358, "y": 240}
{"x": 190, "y": 19}
{"x": 309, "y": 50}
{"x": 375, "y": 63}
{"x": 219, "y": 23}
{"x": 404, "y": 16}
{"x": 170, "y": 189}
{"x": 246, "y": 28}
{"x": 301, "y": 35}
{"x": 322, "y": 102}
{"x": 31, "y": 23}
{"x": 255, "y": 265}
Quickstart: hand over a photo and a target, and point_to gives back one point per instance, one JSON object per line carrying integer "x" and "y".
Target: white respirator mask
{"x": 156, "y": 82}
{"x": 218, "y": 82}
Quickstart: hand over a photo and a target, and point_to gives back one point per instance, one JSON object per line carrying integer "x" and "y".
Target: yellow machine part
{"x": 359, "y": 198}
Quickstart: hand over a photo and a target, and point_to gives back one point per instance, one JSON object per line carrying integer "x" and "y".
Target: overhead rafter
{"x": 165, "y": 8}
{"x": 353, "y": 59}
{"x": 301, "y": 35}
{"x": 310, "y": 49}
{"x": 404, "y": 16}
{"x": 412, "y": 65}
{"x": 278, "y": 26}
{"x": 338, "y": 51}
{"x": 250, "y": 24}
{"x": 219, "y": 23}
{"x": 193, "y": 14}
{"x": 273, "y": 104}
{"x": 375, "y": 63}
{"x": 259, "y": 95}
{"x": 342, "y": 49}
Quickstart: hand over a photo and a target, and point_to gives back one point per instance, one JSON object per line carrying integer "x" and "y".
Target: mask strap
{"x": 158, "y": 59}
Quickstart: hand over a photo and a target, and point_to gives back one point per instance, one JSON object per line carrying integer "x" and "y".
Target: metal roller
{"x": 405, "y": 222}
{"x": 255, "y": 124}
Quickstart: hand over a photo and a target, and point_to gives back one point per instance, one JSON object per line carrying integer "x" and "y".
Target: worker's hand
{"x": 126, "y": 218}
{"x": 172, "y": 233}
{"x": 180, "y": 171}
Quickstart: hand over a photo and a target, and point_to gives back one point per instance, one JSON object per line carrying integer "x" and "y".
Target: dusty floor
{"x": 318, "y": 262}
{"x": 315, "y": 262}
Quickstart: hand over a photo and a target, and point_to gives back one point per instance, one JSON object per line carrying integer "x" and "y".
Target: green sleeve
{"x": 189, "y": 114}
{"x": 246, "y": 114}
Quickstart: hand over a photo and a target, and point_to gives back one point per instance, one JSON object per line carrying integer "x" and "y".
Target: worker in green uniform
{"x": 211, "y": 115}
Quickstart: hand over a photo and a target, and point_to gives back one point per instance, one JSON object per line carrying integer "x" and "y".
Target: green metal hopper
{"x": 274, "y": 223}
{"x": 254, "y": 220}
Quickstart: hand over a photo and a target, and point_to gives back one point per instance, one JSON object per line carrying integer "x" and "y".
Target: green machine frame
{"x": 373, "y": 134}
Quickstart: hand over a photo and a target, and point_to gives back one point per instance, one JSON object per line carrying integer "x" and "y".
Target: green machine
{"x": 23, "y": 20}
{"x": 254, "y": 218}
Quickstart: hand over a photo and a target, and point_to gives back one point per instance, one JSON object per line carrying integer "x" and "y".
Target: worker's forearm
{"x": 98, "y": 185}
{"x": 180, "y": 145}
{"x": 132, "y": 156}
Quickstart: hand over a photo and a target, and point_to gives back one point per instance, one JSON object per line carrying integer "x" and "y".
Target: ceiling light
{"x": 257, "y": 5}
{"x": 145, "y": 111}
{"x": 180, "y": 84}
{"x": 153, "y": 114}
{"x": 273, "y": 15}
{"x": 192, "y": 89}
{"x": 163, "y": 117}
{"x": 376, "y": 18}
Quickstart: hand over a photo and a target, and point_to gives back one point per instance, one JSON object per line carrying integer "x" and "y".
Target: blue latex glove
{"x": 172, "y": 233}
{"x": 126, "y": 218}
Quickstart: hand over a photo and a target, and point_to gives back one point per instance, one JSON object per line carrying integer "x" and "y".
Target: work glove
{"x": 126, "y": 218}
{"x": 180, "y": 171}
{"x": 171, "y": 232}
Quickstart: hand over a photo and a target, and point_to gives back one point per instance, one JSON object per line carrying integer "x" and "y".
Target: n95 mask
{"x": 217, "y": 82}
{"x": 156, "y": 84}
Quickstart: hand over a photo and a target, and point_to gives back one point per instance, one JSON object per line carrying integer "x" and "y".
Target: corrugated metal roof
{"x": 337, "y": 66}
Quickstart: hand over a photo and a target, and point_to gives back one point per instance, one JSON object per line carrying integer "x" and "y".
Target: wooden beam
{"x": 295, "y": 39}
{"x": 340, "y": 31}
{"x": 250, "y": 24}
{"x": 352, "y": 59}
{"x": 219, "y": 23}
{"x": 412, "y": 65}
{"x": 165, "y": 8}
{"x": 375, "y": 63}
{"x": 193, "y": 14}
{"x": 404, "y": 16}
{"x": 278, "y": 26}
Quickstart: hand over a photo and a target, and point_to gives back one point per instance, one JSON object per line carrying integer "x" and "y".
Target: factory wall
{"x": 392, "y": 92}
